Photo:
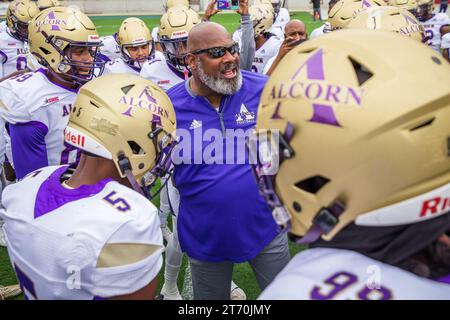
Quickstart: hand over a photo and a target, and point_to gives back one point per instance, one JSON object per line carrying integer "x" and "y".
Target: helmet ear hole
{"x": 135, "y": 147}
{"x": 362, "y": 73}
{"x": 312, "y": 184}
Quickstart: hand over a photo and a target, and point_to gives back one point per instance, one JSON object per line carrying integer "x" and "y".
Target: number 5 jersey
{"x": 96, "y": 241}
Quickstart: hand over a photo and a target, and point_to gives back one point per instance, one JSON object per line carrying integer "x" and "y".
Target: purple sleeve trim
{"x": 103, "y": 57}
{"x": 4, "y": 56}
{"x": 28, "y": 147}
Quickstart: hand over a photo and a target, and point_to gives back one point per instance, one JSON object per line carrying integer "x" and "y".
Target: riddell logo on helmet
{"x": 76, "y": 139}
{"x": 93, "y": 38}
{"x": 435, "y": 206}
{"x": 179, "y": 34}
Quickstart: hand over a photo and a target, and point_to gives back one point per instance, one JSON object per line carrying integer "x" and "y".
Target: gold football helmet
{"x": 177, "y": 3}
{"x": 134, "y": 32}
{"x": 410, "y": 5}
{"x": 389, "y": 18}
{"x": 53, "y": 35}
{"x": 127, "y": 119}
{"x": 425, "y": 8}
{"x": 356, "y": 143}
{"x": 344, "y": 10}
{"x": 173, "y": 31}
{"x": 45, "y": 4}
{"x": 18, "y": 15}
{"x": 262, "y": 19}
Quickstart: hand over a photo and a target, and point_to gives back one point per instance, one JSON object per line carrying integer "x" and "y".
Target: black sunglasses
{"x": 219, "y": 52}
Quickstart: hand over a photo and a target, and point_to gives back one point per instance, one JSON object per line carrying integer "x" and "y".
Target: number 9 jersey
{"x": 92, "y": 242}
{"x": 336, "y": 274}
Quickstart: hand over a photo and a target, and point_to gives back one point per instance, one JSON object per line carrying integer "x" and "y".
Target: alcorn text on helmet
{"x": 389, "y": 18}
{"x": 45, "y": 4}
{"x": 262, "y": 19}
{"x": 173, "y": 31}
{"x": 134, "y": 32}
{"x": 356, "y": 144}
{"x": 344, "y": 10}
{"x": 18, "y": 15}
{"x": 55, "y": 32}
{"x": 127, "y": 119}
{"x": 410, "y": 5}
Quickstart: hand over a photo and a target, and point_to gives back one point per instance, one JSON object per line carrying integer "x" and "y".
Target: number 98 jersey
{"x": 96, "y": 241}
{"x": 334, "y": 274}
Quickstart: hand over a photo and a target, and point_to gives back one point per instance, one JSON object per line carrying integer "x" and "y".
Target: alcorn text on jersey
{"x": 433, "y": 29}
{"x": 13, "y": 54}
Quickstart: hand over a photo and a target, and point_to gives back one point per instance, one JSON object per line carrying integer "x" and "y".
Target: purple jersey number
{"x": 65, "y": 154}
{"x": 430, "y": 36}
{"x": 117, "y": 202}
{"x": 21, "y": 63}
{"x": 343, "y": 280}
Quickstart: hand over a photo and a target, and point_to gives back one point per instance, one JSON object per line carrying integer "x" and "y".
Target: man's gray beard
{"x": 222, "y": 86}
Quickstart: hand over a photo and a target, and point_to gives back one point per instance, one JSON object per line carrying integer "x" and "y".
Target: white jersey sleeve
{"x": 92, "y": 242}
{"x": 110, "y": 47}
{"x": 160, "y": 73}
{"x": 317, "y": 32}
{"x": 280, "y": 22}
{"x": 333, "y": 274}
{"x": 118, "y": 66}
{"x": 267, "y": 51}
{"x": 269, "y": 64}
{"x": 155, "y": 31}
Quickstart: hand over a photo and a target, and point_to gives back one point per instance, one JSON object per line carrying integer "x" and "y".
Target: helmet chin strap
{"x": 125, "y": 167}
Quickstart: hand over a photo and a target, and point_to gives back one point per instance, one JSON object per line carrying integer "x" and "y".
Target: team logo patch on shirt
{"x": 244, "y": 116}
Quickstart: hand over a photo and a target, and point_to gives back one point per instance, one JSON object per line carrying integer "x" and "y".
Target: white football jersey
{"x": 32, "y": 97}
{"x": 269, "y": 64}
{"x": 433, "y": 29}
{"x": 110, "y": 47}
{"x": 13, "y": 54}
{"x": 280, "y": 22}
{"x": 267, "y": 51}
{"x": 3, "y": 26}
{"x": 334, "y": 274}
{"x": 158, "y": 71}
{"x": 155, "y": 31}
{"x": 93, "y": 242}
{"x": 320, "y": 31}
{"x": 119, "y": 66}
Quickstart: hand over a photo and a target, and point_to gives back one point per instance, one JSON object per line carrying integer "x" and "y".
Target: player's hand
{"x": 211, "y": 10}
{"x": 287, "y": 45}
{"x": 243, "y": 7}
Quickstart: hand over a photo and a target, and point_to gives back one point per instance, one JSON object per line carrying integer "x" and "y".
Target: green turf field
{"x": 107, "y": 25}
{"x": 243, "y": 276}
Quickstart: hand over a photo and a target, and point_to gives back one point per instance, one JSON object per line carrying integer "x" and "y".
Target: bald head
{"x": 295, "y": 29}
{"x": 207, "y": 35}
